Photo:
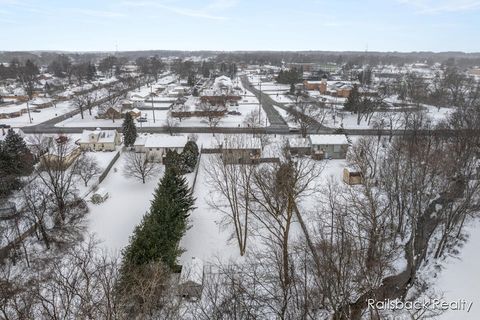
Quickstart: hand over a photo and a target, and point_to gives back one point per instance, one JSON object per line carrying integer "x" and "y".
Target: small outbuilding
{"x": 191, "y": 279}
{"x": 99, "y": 196}
{"x": 352, "y": 176}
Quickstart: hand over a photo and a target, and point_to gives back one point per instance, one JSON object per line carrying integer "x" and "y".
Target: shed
{"x": 352, "y": 176}
{"x": 99, "y": 196}
{"x": 191, "y": 279}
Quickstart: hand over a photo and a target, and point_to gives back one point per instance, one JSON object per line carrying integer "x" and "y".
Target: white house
{"x": 104, "y": 140}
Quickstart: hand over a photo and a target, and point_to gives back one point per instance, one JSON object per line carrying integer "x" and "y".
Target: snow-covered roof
{"x": 192, "y": 271}
{"x": 166, "y": 141}
{"x": 299, "y": 142}
{"x": 101, "y": 192}
{"x": 99, "y": 136}
{"x": 140, "y": 141}
{"x": 328, "y": 139}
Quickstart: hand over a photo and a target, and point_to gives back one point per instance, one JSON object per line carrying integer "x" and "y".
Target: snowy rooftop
{"x": 165, "y": 141}
{"x": 99, "y": 136}
{"x": 327, "y": 139}
{"x": 299, "y": 142}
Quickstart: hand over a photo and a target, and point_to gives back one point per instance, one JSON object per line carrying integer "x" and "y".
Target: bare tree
{"x": 212, "y": 113}
{"x": 138, "y": 166}
{"x": 233, "y": 183}
{"x": 307, "y": 116}
{"x": 79, "y": 102}
{"x": 87, "y": 168}
{"x": 171, "y": 123}
{"x": 57, "y": 171}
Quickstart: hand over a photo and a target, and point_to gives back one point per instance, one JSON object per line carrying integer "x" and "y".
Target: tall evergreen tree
{"x": 353, "y": 100}
{"x": 129, "y": 130}
{"x": 174, "y": 161}
{"x": 21, "y": 159}
{"x": 158, "y": 236}
{"x": 190, "y": 155}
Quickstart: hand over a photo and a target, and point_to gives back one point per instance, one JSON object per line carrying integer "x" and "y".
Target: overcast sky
{"x": 379, "y": 25}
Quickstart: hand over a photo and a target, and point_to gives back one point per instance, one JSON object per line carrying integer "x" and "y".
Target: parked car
{"x": 4, "y": 126}
{"x": 142, "y": 120}
{"x": 36, "y": 110}
{"x": 294, "y": 129}
{"x": 234, "y": 113}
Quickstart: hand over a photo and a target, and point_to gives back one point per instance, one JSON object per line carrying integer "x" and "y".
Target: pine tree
{"x": 21, "y": 159}
{"x": 174, "y": 161}
{"x": 129, "y": 130}
{"x": 190, "y": 155}
{"x": 353, "y": 100}
{"x": 158, "y": 236}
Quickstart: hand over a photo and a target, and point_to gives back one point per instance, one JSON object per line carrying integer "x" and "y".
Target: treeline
{"x": 291, "y": 77}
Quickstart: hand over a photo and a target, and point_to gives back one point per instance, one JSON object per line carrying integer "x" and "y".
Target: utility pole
{"x": 260, "y": 104}
{"x": 153, "y": 107}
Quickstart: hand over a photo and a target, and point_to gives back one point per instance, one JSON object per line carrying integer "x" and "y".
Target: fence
{"x": 196, "y": 171}
{"x": 107, "y": 170}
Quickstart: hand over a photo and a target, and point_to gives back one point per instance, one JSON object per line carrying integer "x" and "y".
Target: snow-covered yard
{"x": 160, "y": 119}
{"x": 209, "y": 240}
{"x": 114, "y": 220}
{"x": 460, "y": 280}
{"x": 37, "y": 117}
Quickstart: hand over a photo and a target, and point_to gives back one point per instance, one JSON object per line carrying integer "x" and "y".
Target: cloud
{"x": 98, "y": 13}
{"x": 207, "y": 12}
{"x": 442, "y": 6}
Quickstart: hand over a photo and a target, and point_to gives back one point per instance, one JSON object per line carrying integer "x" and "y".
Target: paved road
{"x": 268, "y": 104}
{"x": 274, "y": 117}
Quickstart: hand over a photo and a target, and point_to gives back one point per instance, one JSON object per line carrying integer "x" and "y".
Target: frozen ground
{"x": 460, "y": 279}
{"x": 37, "y": 117}
{"x": 114, "y": 220}
{"x": 206, "y": 239}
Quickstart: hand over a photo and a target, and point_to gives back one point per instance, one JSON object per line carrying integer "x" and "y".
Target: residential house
{"x": 242, "y": 153}
{"x": 156, "y": 147}
{"x": 328, "y": 146}
{"x": 61, "y": 153}
{"x": 99, "y": 140}
{"x": 299, "y": 146}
